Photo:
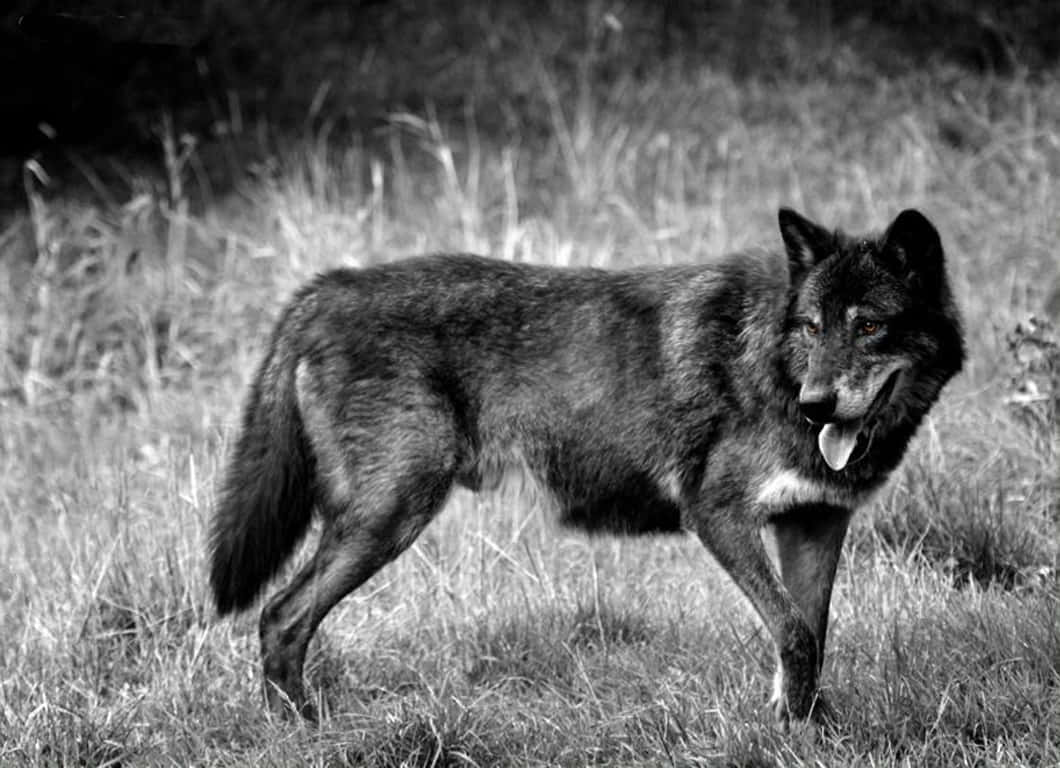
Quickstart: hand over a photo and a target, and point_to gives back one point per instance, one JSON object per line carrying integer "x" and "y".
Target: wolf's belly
{"x": 594, "y": 490}
{"x": 636, "y": 507}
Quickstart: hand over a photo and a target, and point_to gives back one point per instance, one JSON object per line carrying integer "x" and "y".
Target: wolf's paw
{"x": 289, "y": 702}
{"x": 819, "y": 713}
{"x": 798, "y": 702}
{"x": 288, "y": 710}
{"x": 822, "y": 713}
{"x": 791, "y": 700}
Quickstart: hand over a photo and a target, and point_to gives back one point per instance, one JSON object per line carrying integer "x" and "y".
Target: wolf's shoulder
{"x": 738, "y": 281}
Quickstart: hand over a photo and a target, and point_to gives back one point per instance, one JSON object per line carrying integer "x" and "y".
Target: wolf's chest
{"x": 785, "y": 488}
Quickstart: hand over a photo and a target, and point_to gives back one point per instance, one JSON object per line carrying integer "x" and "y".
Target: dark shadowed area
{"x": 102, "y": 78}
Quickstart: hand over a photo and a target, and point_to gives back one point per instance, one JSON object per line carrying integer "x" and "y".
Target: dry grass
{"x": 129, "y": 327}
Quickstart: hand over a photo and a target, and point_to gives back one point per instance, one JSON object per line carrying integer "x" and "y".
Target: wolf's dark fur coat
{"x": 758, "y": 390}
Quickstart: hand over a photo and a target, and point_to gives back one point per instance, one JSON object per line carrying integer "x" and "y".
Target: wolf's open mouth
{"x": 838, "y": 439}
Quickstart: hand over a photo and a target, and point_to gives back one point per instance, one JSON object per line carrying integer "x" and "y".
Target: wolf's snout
{"x": 818, "y": 406}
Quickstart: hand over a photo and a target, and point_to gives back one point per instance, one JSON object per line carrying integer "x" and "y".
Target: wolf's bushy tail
{"x": 266, "y": 502}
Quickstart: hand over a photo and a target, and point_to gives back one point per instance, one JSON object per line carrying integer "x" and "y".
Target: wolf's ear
{"x": 807, "y": 243}
{"x": 911, "y": 248}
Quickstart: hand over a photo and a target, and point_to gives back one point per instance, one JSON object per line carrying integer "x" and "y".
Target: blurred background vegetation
{"x": 96, "y": 76}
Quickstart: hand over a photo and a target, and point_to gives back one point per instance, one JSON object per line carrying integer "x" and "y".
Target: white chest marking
{"x": 787, "y": 487}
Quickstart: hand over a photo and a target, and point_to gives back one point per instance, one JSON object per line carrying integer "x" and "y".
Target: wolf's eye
{"x": 868, "y": 327}
{"x": 811, "y": 328}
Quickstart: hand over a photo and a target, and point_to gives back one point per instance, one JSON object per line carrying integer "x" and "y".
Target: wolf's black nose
{"x": 818, "y": 407}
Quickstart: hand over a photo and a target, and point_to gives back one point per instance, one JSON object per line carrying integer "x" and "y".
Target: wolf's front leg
{"x": 733, "y": 537}
{"x": 809, "y": 541}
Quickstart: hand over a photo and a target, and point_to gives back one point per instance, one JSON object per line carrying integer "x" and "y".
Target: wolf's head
{"x": 872, "y": 332}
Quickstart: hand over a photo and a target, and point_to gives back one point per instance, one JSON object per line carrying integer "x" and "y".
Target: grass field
{"x": 134, "y": 305}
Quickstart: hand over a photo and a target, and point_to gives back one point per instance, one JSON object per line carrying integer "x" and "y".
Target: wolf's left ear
{"x": 807, "y": 243}
{"x": 911, "y": 247}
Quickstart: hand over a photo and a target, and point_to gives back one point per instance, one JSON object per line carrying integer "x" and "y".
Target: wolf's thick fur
{"x": 756, "y": 391}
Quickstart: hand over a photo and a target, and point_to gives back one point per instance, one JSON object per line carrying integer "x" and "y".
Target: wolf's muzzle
{"x": 818, "y": 406}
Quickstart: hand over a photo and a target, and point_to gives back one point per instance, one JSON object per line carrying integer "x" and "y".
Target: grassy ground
{"x": 132, "y": 314}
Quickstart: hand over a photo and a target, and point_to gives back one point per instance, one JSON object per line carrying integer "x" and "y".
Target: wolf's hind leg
{"x": 737, "y": 544}
{"x": 357, "y": 541}
{"x": 809, "y": 542}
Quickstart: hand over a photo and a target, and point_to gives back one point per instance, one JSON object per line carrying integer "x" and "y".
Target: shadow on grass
{"x": 539, "y": 650}
{"x": 542, "y": 649}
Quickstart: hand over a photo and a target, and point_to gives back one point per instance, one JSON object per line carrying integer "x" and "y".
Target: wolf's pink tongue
{"x": 837, "y": 442}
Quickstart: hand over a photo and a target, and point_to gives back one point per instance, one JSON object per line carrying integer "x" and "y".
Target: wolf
{"x": 772, "y": 390}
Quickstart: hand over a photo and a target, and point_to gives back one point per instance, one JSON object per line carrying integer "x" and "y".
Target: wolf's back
{"x": 266, "y": 500}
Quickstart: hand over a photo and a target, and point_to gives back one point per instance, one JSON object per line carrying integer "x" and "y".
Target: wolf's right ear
{"x": 807, "y": 243}
{"x": 912, "y": 248}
